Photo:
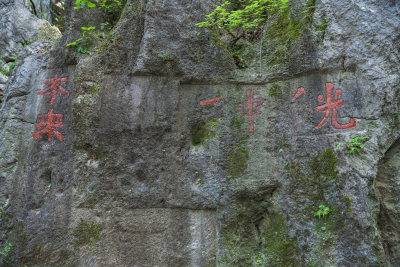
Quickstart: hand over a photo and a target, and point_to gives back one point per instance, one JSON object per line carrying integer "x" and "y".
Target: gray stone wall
{"x": 147, "y": 176}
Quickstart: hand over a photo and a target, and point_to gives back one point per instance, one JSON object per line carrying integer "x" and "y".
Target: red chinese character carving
{"x": 210, "y": 101}
{"x": 250, "y": 101}
{"x": 49, "y": 121}
{"x": 54, "y": 88}
{"x": 299, "y": 92}
{"x": 332, "y": 105}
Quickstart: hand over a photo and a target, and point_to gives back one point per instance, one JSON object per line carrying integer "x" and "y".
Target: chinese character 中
{"x": 332, "y": 105}
{"x": 48, "y": 122}
{"x": 54, "y": 88}
{"x": 250, "y": 101}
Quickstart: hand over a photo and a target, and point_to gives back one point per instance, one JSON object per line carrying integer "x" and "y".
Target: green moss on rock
{"x": 204, "y": 131}
{"x": 258, "y": 237}
{"x": 98, "y": 154}
{"x": 86, "y": 233}
{"x": 283, "y": 30}
{"x": 323, "y": 166}
{"x": 236, "y": 123}
{"x": 237, "y": 160}
{"x": 95, "y": 89}
{"x": 275, "y": 90}
{"x": 279, "y": 249}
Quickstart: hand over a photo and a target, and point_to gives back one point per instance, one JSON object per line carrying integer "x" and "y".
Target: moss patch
{"x": 95, "y": 89}
{"x": 347, "y": 201}
{"x": 237, "y": 161}
{"x": 283, "y": 30}
{"x": 236, "y": 123}
{"x": 203, "y": 132}
{"x": 323, "y": 166}
{"x": 280, "y": 249}
{"x": 86, "y": 233}
{"x": 275, "y": 90}
{"x": 137, "y": 6}
{"x": 325, "y": 237}
{"x": 258, "y": 237}
{"x": 98, "y": 154}
{"x": 321, "y": 169}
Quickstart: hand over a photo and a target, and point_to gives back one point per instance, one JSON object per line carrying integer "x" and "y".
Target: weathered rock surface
{"x": 146, "y": 176}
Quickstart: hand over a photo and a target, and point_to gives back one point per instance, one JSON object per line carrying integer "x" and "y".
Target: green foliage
{"x": 89, "y": 35}
{"x": 322, "y": 211}
{"x": 308, "y": 12}
{"x": 164, "y": 56}
{"x": 48, "y": 188}
{"x": 321, "y": 27}
{"x": 105, "y": 25}
{"x": 5, "y": 251}
{"x": 82, "y": 3}
{"x": 355, "y": 144}
{"x": 241, "y": 14}
{"x": 242, "y": 21}
{"x": 6, "y": 69}
{"x": 25, "y": 43}
{"x": 259, "y": 259}
{"x": 106, "y": 4}
{"x": 110, "y": 4}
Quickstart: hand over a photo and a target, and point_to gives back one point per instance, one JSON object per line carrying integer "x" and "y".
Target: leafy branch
{"x": 246, "y": 14}
{"x": 322, "y": 211}
{"x": 240, "y": 20}
{"x": 355, "y": 144}
{"x": 5, "y": 69}
{"x": 88, "y": 36}
{"x": 106, "y": 4}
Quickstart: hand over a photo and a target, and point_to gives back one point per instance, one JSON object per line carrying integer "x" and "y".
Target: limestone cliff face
{"x": 144, "y": 173}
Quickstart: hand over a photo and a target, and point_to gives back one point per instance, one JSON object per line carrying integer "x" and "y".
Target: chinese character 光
{"x": 48, "y": 122}
{"x": 250, "y": 101}
{"x": 54, "y": 88}
{"x": 332, "y": 105}
{"x": 299, "y": 92}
